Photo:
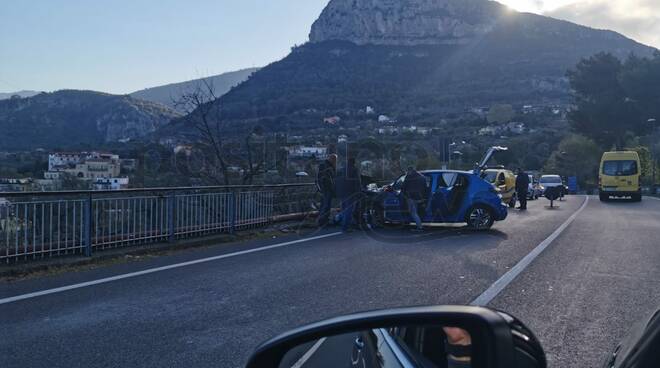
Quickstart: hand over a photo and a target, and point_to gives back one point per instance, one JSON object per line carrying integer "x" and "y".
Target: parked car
{"x": 452, "y": 197}
{"x": 534, "y": 190}
{"x": 549, "y": 181}
{"x": 504, "y": 182}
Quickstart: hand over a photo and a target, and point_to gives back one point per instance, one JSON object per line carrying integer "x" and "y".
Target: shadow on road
{"x": 404, "y": 234}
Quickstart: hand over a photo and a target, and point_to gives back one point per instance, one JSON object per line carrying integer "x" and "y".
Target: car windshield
{"x": 182, "y": 180}
{"x": 550, "y": 180}
{"x": 620, "y": 168}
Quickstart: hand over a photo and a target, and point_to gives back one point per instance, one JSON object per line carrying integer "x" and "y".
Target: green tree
{"x": 578, "y": 156}
{"x": 72, "y": 182}
{"x": 501, "y": 114}
{"x": 604, "y": 112}
{"x": 640, "y": 79}
{"x": 646, "y": 162}
{"x": 614, "y": 98}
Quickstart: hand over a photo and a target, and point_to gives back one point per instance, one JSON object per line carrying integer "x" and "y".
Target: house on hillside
{"x": 384, "y": 119}
{"x": 333, "y": 120}
{"x": 320, "y": 152}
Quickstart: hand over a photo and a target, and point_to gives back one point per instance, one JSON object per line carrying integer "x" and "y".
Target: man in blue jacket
{"x": 349, "y": 189}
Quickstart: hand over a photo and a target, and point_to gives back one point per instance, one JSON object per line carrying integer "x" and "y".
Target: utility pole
{"x": 654, "y": 156}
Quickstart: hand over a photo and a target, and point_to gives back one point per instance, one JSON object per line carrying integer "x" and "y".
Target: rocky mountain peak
{"x": 406, "y": 22}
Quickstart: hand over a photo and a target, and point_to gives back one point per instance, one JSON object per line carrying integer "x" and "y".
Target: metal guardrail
{"x": 38, "y": 225}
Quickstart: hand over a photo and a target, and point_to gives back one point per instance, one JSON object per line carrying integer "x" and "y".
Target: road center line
{"x": 499, "y": 285}
{"x": 309, "y": 354}
{"x": 158, "y": 269}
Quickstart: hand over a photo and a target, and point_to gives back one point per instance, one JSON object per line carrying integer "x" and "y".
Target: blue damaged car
{"x": 452, "y": 197}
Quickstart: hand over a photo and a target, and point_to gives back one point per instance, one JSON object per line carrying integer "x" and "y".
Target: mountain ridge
{"x": 67, "y": 118}
{"x": 168, "y": 94}
{"x": 523, "y": 57}
{"x": 22, "y": 93}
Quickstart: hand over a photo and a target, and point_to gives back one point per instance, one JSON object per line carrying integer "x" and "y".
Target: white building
{"x": 308, "y": 151}
{"x": 516, "y": 128}
{"x": 64, "y": 159}
{"x": 388, "y": 130}
{"x": 100, "y": 169}
{"x": 333, "y": 120}
{"x": 489, "y": 130}
{"x": 423, "y": 131}
{"x": 110, "y": 183}
{"x": 53, "y": 175}
{"x": 384, "y": 119}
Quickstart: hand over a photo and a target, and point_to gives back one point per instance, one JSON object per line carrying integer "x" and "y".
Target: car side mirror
{"x": 410, "y": 337}
{"x": 640, "y": 347}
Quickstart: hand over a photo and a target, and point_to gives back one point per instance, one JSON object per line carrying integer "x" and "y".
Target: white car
{"x": 534, "y": 190}
{"x": 550, "y": 181}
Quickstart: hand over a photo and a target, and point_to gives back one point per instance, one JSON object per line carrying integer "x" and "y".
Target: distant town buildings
{"x": 320, "y": 152}
{"x": 512, "y": 127}
{"x": 388, "y": 130}
{"x": 110, "y": 183}
{"x": 99, "y": 170}
{"x": 15, "y": 185}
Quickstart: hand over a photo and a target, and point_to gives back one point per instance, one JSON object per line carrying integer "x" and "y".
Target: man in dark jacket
{"x": 325, "y": 181}
{"x": 414, "y": 191}
{"x": 349, "y": 189}
{"x": 522, "y": 186}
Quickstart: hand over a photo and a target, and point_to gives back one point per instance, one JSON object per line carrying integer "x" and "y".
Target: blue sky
{"x": 120, "y": 46}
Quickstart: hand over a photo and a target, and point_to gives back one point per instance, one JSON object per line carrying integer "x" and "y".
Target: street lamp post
{"x": 654, "y": 156}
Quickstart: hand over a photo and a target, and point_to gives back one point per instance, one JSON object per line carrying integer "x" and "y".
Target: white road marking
{"x": 656, "y": 198}
{"x": 499, "y": 285}
{"x": 157, "y": 269}
{"x": 309, "y": 354}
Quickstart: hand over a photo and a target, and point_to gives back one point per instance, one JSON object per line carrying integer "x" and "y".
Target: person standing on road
{"x": 522, "y": 186}
{"x": 414, "y": 191}
{"x": 325, "y": 182}
{"x": 349, "y": 188}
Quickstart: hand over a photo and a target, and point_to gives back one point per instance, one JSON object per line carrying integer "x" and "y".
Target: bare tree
{"x": 203, "y": 114}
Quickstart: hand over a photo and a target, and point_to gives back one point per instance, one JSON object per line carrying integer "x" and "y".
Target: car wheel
{"x": 604, "y": 197}
{"x": 637, "y": 197}
{"x": 480, "y": 218}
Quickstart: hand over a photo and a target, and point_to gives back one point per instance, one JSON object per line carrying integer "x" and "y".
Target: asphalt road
{"x": 579, "y": 296}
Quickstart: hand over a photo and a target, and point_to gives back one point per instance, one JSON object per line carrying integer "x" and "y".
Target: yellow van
{"x": 504, "y": 182}
{"x": 619, "y": 176}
